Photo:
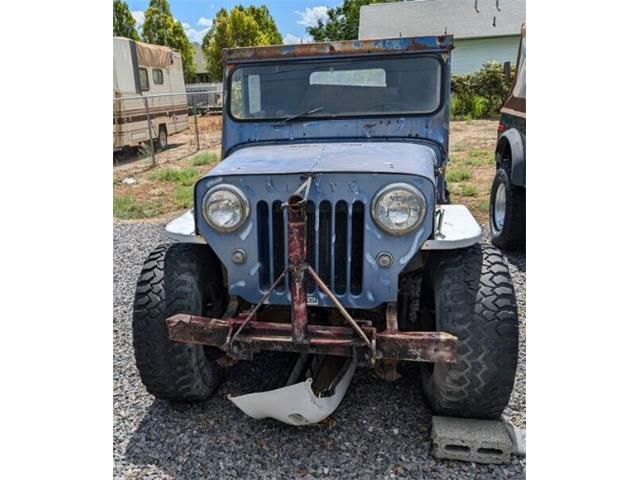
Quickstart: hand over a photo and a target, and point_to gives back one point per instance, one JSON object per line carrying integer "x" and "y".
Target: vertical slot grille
{"x": 324, "y": 242}
{"x": 357, "y": 247}
{"x": 335, "y": 249}
{"x": 340, "y": 256}
{"x": 264, "y": 257}
{"x": 278, "y": 242}
{"x": 311, "y": 242}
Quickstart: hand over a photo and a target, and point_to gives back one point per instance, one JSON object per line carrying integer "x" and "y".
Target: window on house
{"x": 158, "y": 77}
{"x": 143, "y": 75}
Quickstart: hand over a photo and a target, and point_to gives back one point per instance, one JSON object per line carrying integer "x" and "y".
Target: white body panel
{"x": 295, "y": 404}
{"x": 183, "y": 229}
{"x": 459, "y": 230}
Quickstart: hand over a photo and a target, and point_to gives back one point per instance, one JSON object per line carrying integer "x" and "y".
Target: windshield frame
{"x": 436, "y": 56}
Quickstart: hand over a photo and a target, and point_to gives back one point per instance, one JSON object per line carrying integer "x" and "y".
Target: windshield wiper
{"x": 301, "y": 114}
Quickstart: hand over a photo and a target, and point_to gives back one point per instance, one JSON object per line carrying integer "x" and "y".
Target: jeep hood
{"x": 310, "y": 158}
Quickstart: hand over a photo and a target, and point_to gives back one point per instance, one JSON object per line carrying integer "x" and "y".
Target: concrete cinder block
{"x": 470, "y": 440}
{"x": 518, "y": 439}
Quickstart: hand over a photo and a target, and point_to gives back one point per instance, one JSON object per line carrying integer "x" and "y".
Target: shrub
{"x": 479, "y": 106}
{"x": 480, "y": 94}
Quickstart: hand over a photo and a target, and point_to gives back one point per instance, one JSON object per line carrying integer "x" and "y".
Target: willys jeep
{"x": 325, "y": 234}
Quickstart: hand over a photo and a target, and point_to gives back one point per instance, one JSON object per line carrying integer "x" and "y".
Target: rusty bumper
{"x": 437, "y": 347}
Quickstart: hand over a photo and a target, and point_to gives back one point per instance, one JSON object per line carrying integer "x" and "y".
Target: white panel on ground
{"x": 295, "y": 404}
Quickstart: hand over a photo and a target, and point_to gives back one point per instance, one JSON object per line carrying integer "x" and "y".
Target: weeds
{"x": 125, "y": 207}
{"x": 458, "y": 175}
{"x": 204, "y": 158}
{"x": 468, "y": 190}
{"x": 184, "y": 197}
{"x": 182, "y": 176}
{"x": 474, "y": 158}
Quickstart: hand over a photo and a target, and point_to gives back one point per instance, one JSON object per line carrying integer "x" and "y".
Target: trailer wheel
{"x": 469, "y": 293}
{"x": 163, "y": 139}
{"x": 176, "y": 278}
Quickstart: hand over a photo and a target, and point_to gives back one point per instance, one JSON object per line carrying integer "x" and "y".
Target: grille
{"x": 335, "y": 244}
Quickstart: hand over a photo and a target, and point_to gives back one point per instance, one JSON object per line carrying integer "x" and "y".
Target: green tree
{"x": 124, "y": 25}
{"x": 160, "y": 28}
{"x": 343, "y": 21}
{"x": 239, "y": 27}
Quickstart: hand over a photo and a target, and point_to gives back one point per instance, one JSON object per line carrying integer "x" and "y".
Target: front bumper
{"x": 258, "y": 335}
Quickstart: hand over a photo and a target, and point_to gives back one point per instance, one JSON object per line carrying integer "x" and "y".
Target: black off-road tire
{"x": 469, "y": 294}
{"x": 176, "y": 278}
{"x": 513, "y": 234}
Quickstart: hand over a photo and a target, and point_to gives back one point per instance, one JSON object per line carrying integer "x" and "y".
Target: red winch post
{"x": 296, "y": 230}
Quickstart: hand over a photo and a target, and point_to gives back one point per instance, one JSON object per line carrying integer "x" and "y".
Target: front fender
{"x": 516, "y": 142}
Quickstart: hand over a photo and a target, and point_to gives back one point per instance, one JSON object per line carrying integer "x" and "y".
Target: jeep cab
{"x": 325, "y": 233}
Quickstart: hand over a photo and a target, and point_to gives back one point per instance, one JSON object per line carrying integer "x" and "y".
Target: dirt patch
{"x": 471, "y": 165}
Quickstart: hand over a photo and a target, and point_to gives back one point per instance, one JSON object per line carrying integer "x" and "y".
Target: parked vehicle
{"x": 154, "y": 72}
{"x": 204, "y": 97}
{"x": 325, "y": 232}
{"x": 508, "y": 196}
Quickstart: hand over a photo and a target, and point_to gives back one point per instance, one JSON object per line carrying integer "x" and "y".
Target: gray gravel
{"x": 381, "y": 430}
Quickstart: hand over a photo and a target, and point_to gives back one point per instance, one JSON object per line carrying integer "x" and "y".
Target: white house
{"x": 483, "y": 30}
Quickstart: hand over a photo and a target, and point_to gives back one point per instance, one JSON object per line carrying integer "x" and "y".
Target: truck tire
{"x": 470, "y": 295}
{"x": 507, "y": 212}
{"x": 176, "y": 278}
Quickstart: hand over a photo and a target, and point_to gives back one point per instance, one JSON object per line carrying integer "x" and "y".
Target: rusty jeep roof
{"x": 438, "y": 43}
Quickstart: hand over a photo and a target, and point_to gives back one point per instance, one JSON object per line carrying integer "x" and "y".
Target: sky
{"x": 291, "y": 16}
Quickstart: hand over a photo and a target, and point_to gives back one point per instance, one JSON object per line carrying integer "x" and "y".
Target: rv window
{"x": 158, "y": 78}
{"x": 144, "y": 79}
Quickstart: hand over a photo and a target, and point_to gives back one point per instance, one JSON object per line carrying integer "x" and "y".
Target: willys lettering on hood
{"x": 369, "y": 157}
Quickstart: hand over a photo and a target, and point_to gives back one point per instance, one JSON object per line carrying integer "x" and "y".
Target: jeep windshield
{"x": 336, "y": 88}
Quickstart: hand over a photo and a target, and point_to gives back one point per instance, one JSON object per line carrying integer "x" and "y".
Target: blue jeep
{"x": 326, "y": 233}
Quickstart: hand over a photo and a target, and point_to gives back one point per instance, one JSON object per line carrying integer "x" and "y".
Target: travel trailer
{"x": 143, "y": 70}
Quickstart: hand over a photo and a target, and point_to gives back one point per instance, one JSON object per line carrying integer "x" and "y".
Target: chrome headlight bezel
{"x": 242, "y": 198}
{"x": 406, "y": 188}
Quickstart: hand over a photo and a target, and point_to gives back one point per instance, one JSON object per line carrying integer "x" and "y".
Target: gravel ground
{"x": 381, "y": 430}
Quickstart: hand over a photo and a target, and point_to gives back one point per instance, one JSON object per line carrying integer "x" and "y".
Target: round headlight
{"x": 398, "y": 208}
{"x": 225, "y": 208}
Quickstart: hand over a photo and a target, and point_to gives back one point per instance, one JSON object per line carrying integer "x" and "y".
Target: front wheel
{"x": 177, "y": 278}
{"x": 507, "y": 212}
{"x": 469, "y": 293}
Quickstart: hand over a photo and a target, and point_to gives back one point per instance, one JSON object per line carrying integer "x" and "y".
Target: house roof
{"x": 201, "y": 61}
{"x": 460, "y": 18}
